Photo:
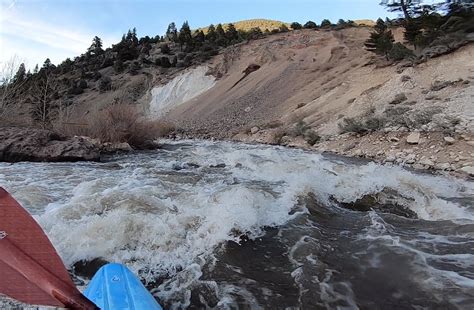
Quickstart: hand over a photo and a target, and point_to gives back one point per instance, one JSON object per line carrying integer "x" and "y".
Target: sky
{"x": 33, "y": 30}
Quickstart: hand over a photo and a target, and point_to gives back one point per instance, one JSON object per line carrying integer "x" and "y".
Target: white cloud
{"x": 35, "y": 40}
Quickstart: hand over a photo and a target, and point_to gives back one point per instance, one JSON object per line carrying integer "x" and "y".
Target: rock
{"x": 426, "y": 162}
{"x": 221, "y": 165}
{"x": 393, "y": 139}
{"x": 443, "y": 166}
{"x": 390, "y": 159}
{"x": 468, "y": 169}
{"x": 28, "y": 144}
{"x": 399, "y": 98}
{"x": 254, "y": 130}
{"x": 418, "y": 166}
{"x": 449, "y": 140}
{"x": 116, "y": 147}
{"x": 413, "y": 138}
{"x": 471, "y": 143}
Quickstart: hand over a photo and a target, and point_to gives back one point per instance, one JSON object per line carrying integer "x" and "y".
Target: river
{"x": 228, "y": 225}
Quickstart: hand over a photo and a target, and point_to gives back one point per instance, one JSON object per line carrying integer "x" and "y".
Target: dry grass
{"x": 123, "y": 123}
{"x": 116, "y": 124}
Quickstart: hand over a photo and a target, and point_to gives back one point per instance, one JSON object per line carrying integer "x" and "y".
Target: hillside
{"x": 312, "y": 88}
{"x": 280, "y": 88}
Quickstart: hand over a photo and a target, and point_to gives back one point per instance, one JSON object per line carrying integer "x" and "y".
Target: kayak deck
{"x": 114, "y": 286}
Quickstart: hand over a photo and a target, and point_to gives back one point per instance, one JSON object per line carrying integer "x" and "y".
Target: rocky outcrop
{"x": 27, "y": 144}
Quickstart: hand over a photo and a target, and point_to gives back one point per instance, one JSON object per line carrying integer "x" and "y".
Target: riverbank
{"x": 424, "y": 151}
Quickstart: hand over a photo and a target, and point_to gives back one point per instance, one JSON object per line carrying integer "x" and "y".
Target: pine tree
{"x": 20, "y": 74}
{"x": 326, "y": 23}
{"x": 211, "y": 33}
{"x": 199, "y": 37}
{"x": 405, "y": 6}
{"x": 310, "y": 25}
{"x": 232, "y": 34}
{"x": 96, "y": 47}
{"x": 47, "y": 64}
{"x": 381, "y": 40}
{"x": 220, "y": 36}
{"x": 172, "y": 32}
{"x": 35, "y": 70}
{"x": 185, "y": 36}
{"x": 296, "y": 26}
{"x": 412, "y": 32}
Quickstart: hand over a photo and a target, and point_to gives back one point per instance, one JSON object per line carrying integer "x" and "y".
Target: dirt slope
{"x": 268, "y": 87}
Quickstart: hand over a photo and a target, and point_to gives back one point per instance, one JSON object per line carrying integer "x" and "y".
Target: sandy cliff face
{"x": 321, "y": 77}
{"x": 266, "y": 89}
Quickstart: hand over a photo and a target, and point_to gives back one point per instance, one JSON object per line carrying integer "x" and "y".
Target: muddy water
{"x": 224, "y": 225}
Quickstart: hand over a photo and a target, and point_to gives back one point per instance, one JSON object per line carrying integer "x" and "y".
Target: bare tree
{"x": 10, "y": 88}
{"x": 43, "y": 109}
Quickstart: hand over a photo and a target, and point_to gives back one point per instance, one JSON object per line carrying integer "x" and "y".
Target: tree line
{"x": 424, "y": 24}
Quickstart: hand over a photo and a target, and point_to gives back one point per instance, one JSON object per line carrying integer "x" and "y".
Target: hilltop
{"x": 246, "y": 25}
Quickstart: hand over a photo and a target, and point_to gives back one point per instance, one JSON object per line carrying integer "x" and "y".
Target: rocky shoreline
{"x": 42, "y": 145}
{"x": 425, "y": 151}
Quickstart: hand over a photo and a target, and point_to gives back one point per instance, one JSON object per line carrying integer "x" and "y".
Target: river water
{"x": 225, "y": 225}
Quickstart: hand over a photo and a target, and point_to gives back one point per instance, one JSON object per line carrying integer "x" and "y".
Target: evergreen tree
{"x": 20, "y": 74}
{"x": 172, "y": 32}
{"x": 412, "y": 32}
{"x": 381, "y": 40}
{"x": 96, "y": 47}
{"x": 35, "y": 70}
{"x": 221, "y": 39}
{"x": 211, "y": 33}
{"x": 47, "y": 64}
{"x": 310, "y": 25}
{"x": 185, "y": 36}
{"x": 199, "y": 37}
{"x": 405, "y": 6}
{"x": 232, "y": 34}
{"x": 326, "y": 23}
{"x": 296, "y": 26}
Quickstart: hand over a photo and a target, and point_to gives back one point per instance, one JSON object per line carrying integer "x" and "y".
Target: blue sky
{"x": 36, "y": 29}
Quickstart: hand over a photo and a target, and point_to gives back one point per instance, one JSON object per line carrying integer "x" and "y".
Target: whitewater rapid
{"x": 196, "y": 218}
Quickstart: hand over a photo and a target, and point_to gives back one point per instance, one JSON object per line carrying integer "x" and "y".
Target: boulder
{"x": 449, "y": 140}
{"x": 254, "y": 130}
{"x": 29, "y": 144}
{"x": 413, "y": 138}
{"x": 468, "y": 169}
{"x": 116, "y": 147}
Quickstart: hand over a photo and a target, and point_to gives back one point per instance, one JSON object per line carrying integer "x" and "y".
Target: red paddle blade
{"x": 30, "y": 269}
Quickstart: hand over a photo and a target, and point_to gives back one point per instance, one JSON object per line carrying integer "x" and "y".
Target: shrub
{"x": 134, "y": 68}
{"x": 326, "y": 23}
{"x": 400, "y": 52}
{"x": 165, "y": 49}
{"x": 75, "y": 90}
{"x": 371, "y": 123}
{"x": 296, "y": 26}
{"x": 82, "y": 84}
{"x": 311, "y": 137}
{"x": 165, "y": 62}
{"x": 310, "y": 25}
{"x": 118, "y": 66}
{"x": 105, "y": 84}
{"x": 122, "y": 123}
